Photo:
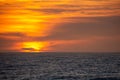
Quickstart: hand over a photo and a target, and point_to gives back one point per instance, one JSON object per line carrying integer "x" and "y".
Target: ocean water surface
{"x": 59, "y": 66}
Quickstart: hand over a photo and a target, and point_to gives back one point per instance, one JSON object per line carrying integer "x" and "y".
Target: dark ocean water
{"x": 60, "y": 66}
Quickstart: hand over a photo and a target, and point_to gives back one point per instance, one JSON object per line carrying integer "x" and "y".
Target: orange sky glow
{"x": 59, "y": 25}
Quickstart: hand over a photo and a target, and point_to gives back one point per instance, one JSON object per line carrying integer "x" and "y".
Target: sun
{"x": 33, "y": 46}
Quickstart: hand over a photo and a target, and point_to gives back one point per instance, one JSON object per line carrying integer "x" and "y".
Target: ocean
{"x": 59, "y": 66}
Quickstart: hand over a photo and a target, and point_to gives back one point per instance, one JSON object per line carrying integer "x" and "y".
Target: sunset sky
{"x": 60, "y": 25}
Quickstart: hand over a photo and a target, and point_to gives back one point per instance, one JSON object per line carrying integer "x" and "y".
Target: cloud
{"x": 77, "y": 8}
{"x": 101, "y": 34}
{"x": 7, "y": 44}
{"x": 13, "y": 34}
{"x": 54, "y": 10}
{"x": 103, "y": 26}
{"x": 88, "y": 45}
{"x": 10, "y": 40}
{"x": 81, "y": 8}
{"x": 29, "y": 49}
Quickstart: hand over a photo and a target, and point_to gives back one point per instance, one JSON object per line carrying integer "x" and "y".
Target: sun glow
{"x": 33, "y": 46}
